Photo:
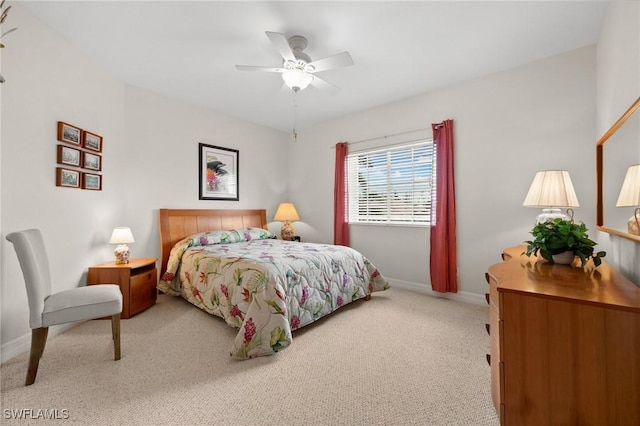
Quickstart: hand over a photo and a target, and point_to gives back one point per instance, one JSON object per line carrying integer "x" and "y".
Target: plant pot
{"x": 564, "y": 258}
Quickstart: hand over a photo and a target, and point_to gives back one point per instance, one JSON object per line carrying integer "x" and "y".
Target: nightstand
{"x": 137, "y": 280}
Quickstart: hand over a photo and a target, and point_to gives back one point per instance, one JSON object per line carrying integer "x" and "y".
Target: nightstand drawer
{"x": 143, "y": 291}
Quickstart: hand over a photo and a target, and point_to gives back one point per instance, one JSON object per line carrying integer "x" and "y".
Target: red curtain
{"x": 340, "y": 224}
{"x": 443, "y": 261}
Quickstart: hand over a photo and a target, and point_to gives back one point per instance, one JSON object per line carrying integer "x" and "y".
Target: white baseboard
{"x": 23, "y": 343}
{"x": 462, "y": 296}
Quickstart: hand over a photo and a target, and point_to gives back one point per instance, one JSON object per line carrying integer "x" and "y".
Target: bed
{"x": 228, "y": 264}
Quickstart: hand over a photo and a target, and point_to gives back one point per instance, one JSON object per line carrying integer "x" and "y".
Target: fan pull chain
{"x": 295, "y": 117}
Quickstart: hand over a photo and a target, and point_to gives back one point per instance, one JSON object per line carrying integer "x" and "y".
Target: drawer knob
{"x": 487, "y": 298}
{"x": 488, "y": 327}
{"x": 488, "y": 359}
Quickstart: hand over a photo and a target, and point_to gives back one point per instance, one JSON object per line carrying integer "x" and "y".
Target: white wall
{"x": 162, "y": 159}
{"x": 507, "y": 127}
{"x": 618, "y": 55}
{"x": 150, "y": 161}
{"x": 46, "y": 81}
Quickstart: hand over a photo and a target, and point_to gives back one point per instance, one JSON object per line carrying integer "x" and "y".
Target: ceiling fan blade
{"x": 253, "y": 68}
{"x": 342, "y": 59}
{"x": 321, "y": 84}
{"x": 282, "y": 45}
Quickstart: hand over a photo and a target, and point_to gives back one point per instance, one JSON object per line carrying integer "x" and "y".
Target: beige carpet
{"x": 401, "y": 358}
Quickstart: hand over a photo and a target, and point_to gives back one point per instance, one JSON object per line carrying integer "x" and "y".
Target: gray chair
{"x": 46, "y": 309}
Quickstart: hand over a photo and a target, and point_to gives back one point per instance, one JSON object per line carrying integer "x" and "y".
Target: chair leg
{"x": 38, "y": 342}
{"x": 115, "y": 333}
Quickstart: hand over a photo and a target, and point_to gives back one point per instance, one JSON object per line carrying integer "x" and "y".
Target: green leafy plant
{"x": 559, "y": 235}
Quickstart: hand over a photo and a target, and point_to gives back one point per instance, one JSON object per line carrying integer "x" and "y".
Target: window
{"x": 392, "y": 186}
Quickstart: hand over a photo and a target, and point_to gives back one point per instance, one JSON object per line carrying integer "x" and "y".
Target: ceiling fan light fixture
{"x": 296, "y": 79}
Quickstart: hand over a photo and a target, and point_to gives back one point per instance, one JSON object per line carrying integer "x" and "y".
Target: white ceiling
{"x": 188, "y": 50}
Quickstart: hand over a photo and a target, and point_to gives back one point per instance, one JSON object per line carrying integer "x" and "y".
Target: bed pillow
{"x": 227, "y": 237}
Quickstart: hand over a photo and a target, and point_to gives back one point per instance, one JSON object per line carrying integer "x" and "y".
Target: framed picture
{"x": 91, "y": 161}
{"x": 69, "y": 134}
{"x": 92, "y": 141}
{"x": 219, "y": 177}
{"x": 91, "y": 181}
{"x": 69, "y": 156}
{"x": 67, "y": 177}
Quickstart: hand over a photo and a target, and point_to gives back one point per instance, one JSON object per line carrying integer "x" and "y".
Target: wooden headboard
{"x": 178, "y": 224}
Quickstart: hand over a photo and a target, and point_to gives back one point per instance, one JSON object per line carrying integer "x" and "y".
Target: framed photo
{"x": 91, "y": 161}
{"x": 69, "y": 134}
{"x": 219, "y": 177}
{"x": 67, "y": 177}
{"x": 91, "y": 181}
{"x": 69, "y": 156}
{"x": 92, "y": 141}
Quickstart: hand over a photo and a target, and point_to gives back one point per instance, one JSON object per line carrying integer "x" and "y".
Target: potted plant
{"x": 557, "y": 236}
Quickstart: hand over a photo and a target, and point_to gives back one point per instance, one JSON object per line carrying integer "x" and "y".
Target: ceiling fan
{"x": 298, "y": 70}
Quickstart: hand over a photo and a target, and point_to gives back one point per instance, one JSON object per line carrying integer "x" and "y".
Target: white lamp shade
{"x": 630, "y": 191}
{"x": 121, "y": 235}
{"x": 286, "y": 212}
{"x": 551, "y": 188}
{"x": 296, "y": 79}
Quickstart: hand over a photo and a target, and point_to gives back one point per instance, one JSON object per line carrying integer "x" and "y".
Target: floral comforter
{"x": 266, "y": 287}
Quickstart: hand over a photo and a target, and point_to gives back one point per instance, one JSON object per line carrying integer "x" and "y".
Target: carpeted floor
{"x": 401, "y": 358}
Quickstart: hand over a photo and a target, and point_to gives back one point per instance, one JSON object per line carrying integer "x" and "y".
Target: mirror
{"x": 616, "y": 151}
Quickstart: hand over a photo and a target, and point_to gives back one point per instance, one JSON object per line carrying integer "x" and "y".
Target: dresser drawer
{"x": 494, "y": 297}
{"x": 497, "y": 364}
{"x": 497, "y": 372}
{"x": 143, "y": 291}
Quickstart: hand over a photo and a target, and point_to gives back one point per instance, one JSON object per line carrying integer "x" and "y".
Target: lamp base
{"x": 633, "y": 225}
{"x": 287, "y": 232}
{"x": 551, "y": 214}
{"x": 122, "y": 254}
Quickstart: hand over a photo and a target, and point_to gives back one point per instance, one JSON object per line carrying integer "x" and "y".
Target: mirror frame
{"x": 600, "y": 178}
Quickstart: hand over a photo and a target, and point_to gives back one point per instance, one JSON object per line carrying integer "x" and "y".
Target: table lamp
{"x": 286, "y": 213}
{"x": 630, "y": 197}
{"x": 121, "y": 236}
{"x": 550, "y": 190}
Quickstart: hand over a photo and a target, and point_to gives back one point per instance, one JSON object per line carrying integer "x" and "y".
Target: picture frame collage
{"x": 79, "y": 157}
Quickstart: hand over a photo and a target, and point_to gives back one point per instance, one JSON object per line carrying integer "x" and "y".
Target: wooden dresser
{"x": 564, "y": 342}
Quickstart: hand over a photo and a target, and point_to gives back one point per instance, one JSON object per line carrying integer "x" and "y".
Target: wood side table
{"x": 137, "y": 280}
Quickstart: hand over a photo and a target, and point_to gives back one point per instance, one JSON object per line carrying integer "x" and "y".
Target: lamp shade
{"x": 551, "y": 188}
{"x": 630, "y": 191}
{"x": 296, "y": 79}
{"x": 286, "y": 212}
{"x": 121, "y": 235}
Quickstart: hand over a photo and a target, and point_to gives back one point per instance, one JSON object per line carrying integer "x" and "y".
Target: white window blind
{"x": 392, "y": 185}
